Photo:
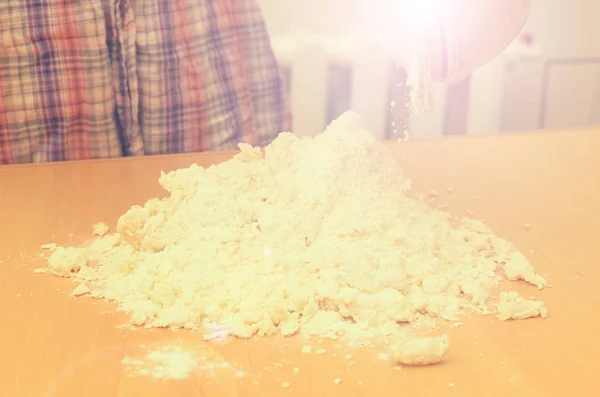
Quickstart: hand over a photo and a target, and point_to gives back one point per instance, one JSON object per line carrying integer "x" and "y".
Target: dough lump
{"x": 421, "y": 351}
{"x": 512, "y": 306}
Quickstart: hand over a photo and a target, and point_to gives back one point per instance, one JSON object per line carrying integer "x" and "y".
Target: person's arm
{"x": 473, "y": 32}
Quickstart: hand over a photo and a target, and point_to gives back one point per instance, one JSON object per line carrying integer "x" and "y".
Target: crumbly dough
{"x": 512, "y": 306}
{"x": 65, "y": 261}
{"x": 313, "y": 236}
{"x": 517, "y": 267}
{"x": 421, "y": 351}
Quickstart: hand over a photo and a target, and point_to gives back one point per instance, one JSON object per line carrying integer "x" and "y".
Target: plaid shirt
{"x": 82, "y": 79}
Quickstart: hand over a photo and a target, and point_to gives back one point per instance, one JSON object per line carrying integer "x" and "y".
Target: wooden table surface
{"x": 54, "y": 345}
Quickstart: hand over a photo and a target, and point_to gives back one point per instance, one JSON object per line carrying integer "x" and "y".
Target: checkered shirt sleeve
{"x": 83, "y": 79}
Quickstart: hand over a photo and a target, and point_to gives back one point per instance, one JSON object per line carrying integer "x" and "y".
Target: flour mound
{"x": 317, "y": 236}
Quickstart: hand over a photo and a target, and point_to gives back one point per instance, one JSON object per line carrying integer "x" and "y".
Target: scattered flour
{"x": 512, "y": 306}
{"x": 163, "y": 364}
{"x": 316, "y": 236}
{"x": 174, "y": 363}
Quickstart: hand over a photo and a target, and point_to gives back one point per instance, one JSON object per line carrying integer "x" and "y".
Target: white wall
{"x": 315, "y": 16}
{"x": 566, "y": 28}
{"x": 570, "y": 97}
{"x": 562, "y": 28}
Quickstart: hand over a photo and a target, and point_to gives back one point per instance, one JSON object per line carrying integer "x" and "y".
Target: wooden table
{"x": 54, "y": 345}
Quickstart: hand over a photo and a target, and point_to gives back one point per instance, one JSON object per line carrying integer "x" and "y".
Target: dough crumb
{"x": 421, "y": 351}
{"x": 285, "y": 384}
{"x": 512, "y": 306}
{"x": 65, "y": 261}
{"x": 40, "y": 270}
{"x": 100, "y": 229}
{"x": 337, "y": 381}
{"x": 517, "y": 267}
{"x": 80, "y": 290}
{"x": 50, "y": 246}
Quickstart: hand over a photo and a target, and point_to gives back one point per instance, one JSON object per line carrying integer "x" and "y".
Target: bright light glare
{"x": 396, "y": 17}
{"x": 423, "y": 13}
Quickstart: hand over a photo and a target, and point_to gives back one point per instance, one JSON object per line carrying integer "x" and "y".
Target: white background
{"x": 564, "y": 29}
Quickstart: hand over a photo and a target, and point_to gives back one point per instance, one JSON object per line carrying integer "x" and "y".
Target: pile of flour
{"x": 314, "y": 236}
